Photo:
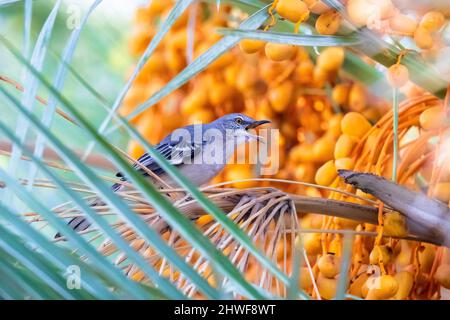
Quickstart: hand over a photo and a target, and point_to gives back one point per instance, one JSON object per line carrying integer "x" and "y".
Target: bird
{"x": 199, "y": 151}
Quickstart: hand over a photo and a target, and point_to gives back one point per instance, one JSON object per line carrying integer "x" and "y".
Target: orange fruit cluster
{"x": 327, "y": 122}
{"x": 271, "y": 81}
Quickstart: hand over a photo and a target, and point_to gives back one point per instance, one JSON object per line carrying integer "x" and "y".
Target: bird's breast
{"x": 201, "y": 173}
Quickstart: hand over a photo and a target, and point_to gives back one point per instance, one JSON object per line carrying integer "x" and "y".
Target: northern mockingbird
{"x": 199, "y": 151}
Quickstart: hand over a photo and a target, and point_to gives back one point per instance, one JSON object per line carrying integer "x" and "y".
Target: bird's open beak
{"x": 256, "y": 124}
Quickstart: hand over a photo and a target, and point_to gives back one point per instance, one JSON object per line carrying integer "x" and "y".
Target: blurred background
{"x": 350, "y": 90}
{"x": 97, "y": 70}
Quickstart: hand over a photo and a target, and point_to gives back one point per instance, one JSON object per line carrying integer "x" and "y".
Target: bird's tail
{"x": 80, "y": 223}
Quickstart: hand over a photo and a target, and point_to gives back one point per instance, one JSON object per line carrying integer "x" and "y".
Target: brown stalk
{"x": 430, "y": 214}
{"x": 98, "y": 161}
{"x": 19, "y": 87}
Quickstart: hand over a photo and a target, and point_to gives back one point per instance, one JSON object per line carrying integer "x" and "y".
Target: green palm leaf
{"x": 49, "y": 112}
{"x": 294, "y": 39}
{"x": 103, "y": 226}
{"x": 104, "y": 266}
{"x": 28, "y": 10}
{"x": 31, "y": 86}
{"x": 18, "y": 282}
{"x": 107, "y": 194}
{"x": 32, "y": 262}
{"x": 60, "y": 259}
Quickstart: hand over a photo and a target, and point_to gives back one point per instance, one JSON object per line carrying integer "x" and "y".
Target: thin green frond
{"x": 30, "y": 87}
{"x": 58, "y": 83}
{"x": 294, "y": 39}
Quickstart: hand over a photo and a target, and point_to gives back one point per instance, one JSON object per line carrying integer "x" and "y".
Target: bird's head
{"x": 239, "y": 125}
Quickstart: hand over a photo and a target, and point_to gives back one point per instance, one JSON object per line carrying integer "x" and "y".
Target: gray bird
{"x": 199, "y": 151}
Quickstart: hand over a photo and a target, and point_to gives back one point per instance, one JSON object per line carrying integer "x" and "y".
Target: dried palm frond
{"x": 269, "y": 216}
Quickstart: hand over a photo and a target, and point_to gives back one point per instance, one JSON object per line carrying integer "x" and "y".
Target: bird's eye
{"x": 239, "y": 120}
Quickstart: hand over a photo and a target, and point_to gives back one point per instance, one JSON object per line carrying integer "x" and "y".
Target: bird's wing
{"x": 175, "y": 152}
